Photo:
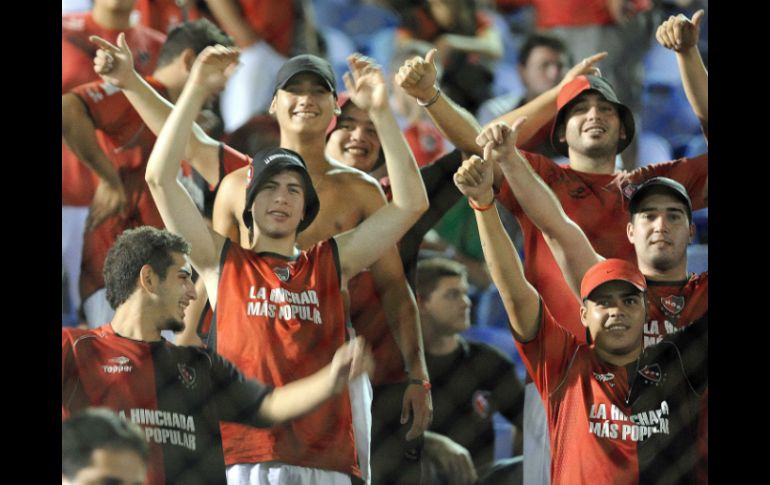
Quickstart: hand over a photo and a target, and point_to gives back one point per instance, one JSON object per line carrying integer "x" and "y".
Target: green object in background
{"x": 458, "y": 228}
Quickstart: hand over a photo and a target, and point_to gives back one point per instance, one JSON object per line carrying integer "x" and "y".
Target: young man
{"x": 280, "y": 310}
{"x": 178, "y": 394}
{"x": 471, "y": 380}
{"x": 303, "y": 105}
{"x": 616, "y": 413}
{"x": 97, "y": 108}
{"x": 107, "y": 19}
{"x": 97, "y": 446}
{"x": 590, "y": 127}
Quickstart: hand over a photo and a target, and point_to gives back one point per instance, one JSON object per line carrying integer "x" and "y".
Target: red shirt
{"x": 164, "y": 15}
{"x": 279, "y": 320}
{"x": 78, "y": 182}
{"x": 618, "y": 425}
{"x": 597, "y": 204}
{"x": 272, "y": 21}
{"x": 571, "y": 13}
{"x": 425, "y": 141}
{"x": 673, "y": 306}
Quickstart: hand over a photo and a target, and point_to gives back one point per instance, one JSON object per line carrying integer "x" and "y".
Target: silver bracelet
{"x": 431, "y": 100}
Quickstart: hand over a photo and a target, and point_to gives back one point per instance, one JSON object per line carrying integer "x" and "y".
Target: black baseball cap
{"x": 664, "y": 185}
{"x": 572, "y": 90}
{"x": 270, "y": 161}
{"x": 306, "y": 63}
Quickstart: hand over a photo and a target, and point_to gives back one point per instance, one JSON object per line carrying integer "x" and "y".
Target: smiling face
{"x": 660, "y": 232}
{"x": 279, "y": 205}
{"x": 304, "y": 104}
{"x": 614, "y": 314}
{"x": 592, "y": 127}
{"x": 175, "y": 293}
{"x": 354, "y": 141}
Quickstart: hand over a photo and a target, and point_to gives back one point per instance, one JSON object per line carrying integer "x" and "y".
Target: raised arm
{"x": 487, "y": 43}
{"x": 177, "y": 209}
{"x": 542, "y": 109}
{"x": 521, "y": 300}
{"x": 569, "y": 245}
{"x": 79, "y": 134}
{"x": 363, "y": 245}
{"x": 681, "y": 35}
{"x": 115, "y": 64}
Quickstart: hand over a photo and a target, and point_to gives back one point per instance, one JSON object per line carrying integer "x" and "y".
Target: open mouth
{"x": 305, "y": 115}
{"x": 356, "y": 150}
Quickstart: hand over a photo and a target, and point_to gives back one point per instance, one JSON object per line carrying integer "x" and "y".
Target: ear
{"x": 188, "y": 58}
{"x": 692, "y": 232}
{"x": 147, "y": 278}
{"x": 584, "y": 315}
{"x": 622, "y": 130}
{"x": 561, "y": 132}
{"x": 272, "y": 107}
{"x": 630, "y": 231}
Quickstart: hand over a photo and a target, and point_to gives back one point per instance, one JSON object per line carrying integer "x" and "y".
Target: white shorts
{"x": 537, "y": 447}
{"x": 274, "y": 473}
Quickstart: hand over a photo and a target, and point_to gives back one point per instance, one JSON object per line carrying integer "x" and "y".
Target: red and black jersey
{"x": 176, "y": 394}
{"x": 674, "y": 305}
{"x": 78, "y": 183}
{"x": 620, "y": 425}
{"x": 598, "y": 203}
{"x": 279, "y": 320}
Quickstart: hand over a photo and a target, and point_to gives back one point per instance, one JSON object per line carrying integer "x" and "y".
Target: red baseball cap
{"x": 611, "y": 270}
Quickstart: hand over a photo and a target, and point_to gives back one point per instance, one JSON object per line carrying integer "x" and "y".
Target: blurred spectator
{"x": 471, "y": 380}
{"x": 107, "y": 19}
{"x": 468, "y": 44}
{"x": 98, "y": 447}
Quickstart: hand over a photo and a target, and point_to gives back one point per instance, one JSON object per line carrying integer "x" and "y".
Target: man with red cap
{"x": 280, "y": 310}
{"x": 590, "y": 126}
{"x": 616, "y": 413}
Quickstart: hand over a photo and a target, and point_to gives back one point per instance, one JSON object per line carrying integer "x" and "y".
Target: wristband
{"x": 420, "y": 382}
{"x": 480, "y": 208}
{"x": 431, "y": 100}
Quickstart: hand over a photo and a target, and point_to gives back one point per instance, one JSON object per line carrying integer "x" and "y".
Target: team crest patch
{"x": 282, "y": 272}
{"x": 672, "y": 304}
{"x": 187, "y": 375}
{"x": 651, "y": 373}
{"x": 480, "y": 402}
{"x": 605, "y": 377}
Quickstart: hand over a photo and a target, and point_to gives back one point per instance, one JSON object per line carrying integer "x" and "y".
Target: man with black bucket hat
{"x": 590, "y": 126}
{"x": 279, "y": 310}
{"x": 616, "y": 412}
{"x": 304, "y": 104}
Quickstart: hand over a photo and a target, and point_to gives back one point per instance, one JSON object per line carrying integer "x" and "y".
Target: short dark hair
{"x": 541, "y": 40}
{"x": 132, "y": 250}
{"x": 94, "y": 429}
{"x": 430, "y": 271}
{"x": 195, "y": 35}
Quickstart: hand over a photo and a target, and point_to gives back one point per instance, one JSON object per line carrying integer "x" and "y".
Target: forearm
{"x": 519, "y": 297}
{"x": 401, "y": 313}
{"x": 406, "y": 184}
{"x": 487, "y": 44}
{"x": 455, "y": 123}
{"x": 79, "y": 134}
{"x": 230, "y": 17}
{"x": 200, "y": 150}
{"x": 299, "y": 397}
{"x": 539, "y": 111}
{"x": 695, "y": 81}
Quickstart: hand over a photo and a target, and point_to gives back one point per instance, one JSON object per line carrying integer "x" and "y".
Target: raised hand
{"x": 350, "y": 361}
{"x": 213, "y": 67}
{"x": 115, "y": 64}
{"x": 417, "y": 77}
{"x": 586, "y": 66}
{"x": 108, "y": 201}
{"x": 679, "y": 33}
{"x": 365, "y": 83}
{"x": 474, "y": 179}
{"x": 499, "y": 141}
